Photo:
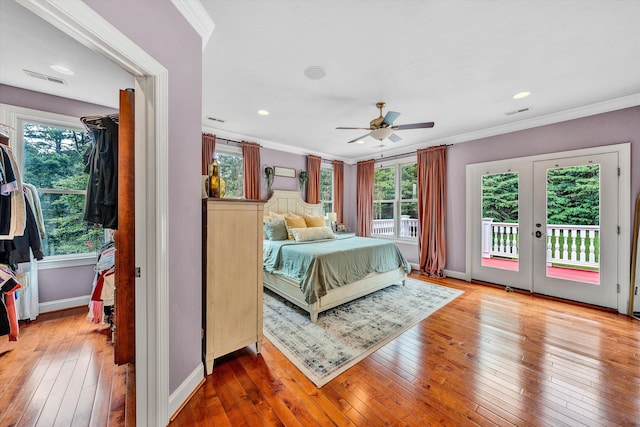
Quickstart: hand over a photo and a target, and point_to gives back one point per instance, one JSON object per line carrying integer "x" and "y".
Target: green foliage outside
{"x": 326, "y": 189}
{"x": 384, "y": 191}
{"x": 53, "y": 162}
{"x": 232, "y": 171}
{"x": 573, "y": 196}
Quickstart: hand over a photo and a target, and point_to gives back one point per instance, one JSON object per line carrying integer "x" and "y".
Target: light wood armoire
{"x": 232, "y": 276}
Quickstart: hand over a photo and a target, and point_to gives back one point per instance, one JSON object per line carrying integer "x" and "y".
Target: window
{"x": 326, "y": 189}
{"x": 52, "y": 160}
{"x": 395, "y": 201}
{"x": 231, "y": 170}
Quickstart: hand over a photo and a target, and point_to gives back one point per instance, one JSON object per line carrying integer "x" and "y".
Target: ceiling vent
{"x": 45, "y": 77}
{"x": 213, "y": 119}
{"x": 521, "y": 110}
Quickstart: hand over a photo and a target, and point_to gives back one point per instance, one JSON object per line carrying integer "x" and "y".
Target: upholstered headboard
{"x": 282, "y": 201}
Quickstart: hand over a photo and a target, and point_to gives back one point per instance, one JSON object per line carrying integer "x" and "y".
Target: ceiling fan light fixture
{"x": 381, "y": 133}
{"x": 315, "y": 72}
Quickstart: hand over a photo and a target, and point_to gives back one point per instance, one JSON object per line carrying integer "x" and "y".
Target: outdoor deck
{"x": 577, "y": 275}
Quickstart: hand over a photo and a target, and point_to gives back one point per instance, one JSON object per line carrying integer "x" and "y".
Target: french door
{"x": 549, "y": 226}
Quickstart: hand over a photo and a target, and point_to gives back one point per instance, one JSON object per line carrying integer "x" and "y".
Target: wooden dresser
{"x": 232, "y": 276}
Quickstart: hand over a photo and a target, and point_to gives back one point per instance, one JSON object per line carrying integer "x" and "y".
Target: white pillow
{"x": 312, "y": 233}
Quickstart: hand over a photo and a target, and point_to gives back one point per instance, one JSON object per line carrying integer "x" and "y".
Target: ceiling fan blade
{"x": 415, "y": 126}
{"x": 389, "y": 118}
{"x": 394, "y": 138}
{"x": 358, "y": 139}
{"x": 353, "y": 128}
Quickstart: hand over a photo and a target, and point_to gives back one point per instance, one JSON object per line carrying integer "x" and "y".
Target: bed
{"x": 317, "y": 286}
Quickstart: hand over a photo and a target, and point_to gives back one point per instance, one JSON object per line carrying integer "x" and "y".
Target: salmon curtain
{"x": 338, "y": 189}
{"x": 432, "y": 205}
{"x": 208, "y": 148}
{"x": 364, "y": 197}
{"x": 251, "y": 160}
{"x": 314, "y": 163}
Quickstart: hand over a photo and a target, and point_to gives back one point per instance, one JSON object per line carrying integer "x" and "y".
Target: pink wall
{"x": 602, "y": 129}
{"x": 158, "y": 28}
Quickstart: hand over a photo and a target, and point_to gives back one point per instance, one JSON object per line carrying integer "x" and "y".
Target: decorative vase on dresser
{"x": 232, "y": 276}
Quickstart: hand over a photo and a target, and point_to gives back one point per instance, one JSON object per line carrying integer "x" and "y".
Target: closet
{"x": 110, "y": 203}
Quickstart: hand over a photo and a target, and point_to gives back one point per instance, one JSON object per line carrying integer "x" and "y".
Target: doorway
{"x": 550, "y": 224}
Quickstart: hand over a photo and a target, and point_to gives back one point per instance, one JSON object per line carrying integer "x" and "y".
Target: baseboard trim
{"x": 63, "y": 304}
{"x": 457, "y": 275}
{"x": 183, "y": 393}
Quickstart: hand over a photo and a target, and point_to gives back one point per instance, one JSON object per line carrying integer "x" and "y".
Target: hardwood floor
{"x": 61, "y": 373}
{"x": 490, "y": 357}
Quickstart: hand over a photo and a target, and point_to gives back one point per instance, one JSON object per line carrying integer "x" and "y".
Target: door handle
{"x": 538, "y": 234}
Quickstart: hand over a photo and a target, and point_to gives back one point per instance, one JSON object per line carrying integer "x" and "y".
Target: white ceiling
{"x": 457, "y": 63}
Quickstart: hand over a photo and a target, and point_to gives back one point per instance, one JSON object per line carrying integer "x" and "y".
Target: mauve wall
{"x": 62, "y": 283}
{"x": 51, "y": 103}
{"x": 602, "y": 129}
{"x": 168, "y": 38}
{"x": 69, "y": 282}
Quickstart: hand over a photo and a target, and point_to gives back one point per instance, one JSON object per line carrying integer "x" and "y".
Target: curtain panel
{"x": 208, "y": 148}
{"x": 338, "y": 190}
{"x": 364, "y": 197}
{"x": 251, "y": 161}
{"x": 432, "y": 204}
{"x": 314, "y": 163}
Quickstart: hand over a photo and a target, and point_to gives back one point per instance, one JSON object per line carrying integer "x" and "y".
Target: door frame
{"x": 624, "y": 208}
{"x": 85, "y": 25}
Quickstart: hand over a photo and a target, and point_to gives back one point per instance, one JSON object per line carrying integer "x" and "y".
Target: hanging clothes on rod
{"x": 20, "y": 235}
{"x": 101, "y": 164}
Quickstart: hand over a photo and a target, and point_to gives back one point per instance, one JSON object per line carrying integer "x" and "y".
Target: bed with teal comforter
{"x": 322, "y": 265}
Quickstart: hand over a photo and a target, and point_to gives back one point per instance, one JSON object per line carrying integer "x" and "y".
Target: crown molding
{"x": 196, "y": 15}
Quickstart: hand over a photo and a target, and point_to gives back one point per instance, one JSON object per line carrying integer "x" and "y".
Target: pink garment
{"x": 10, "y": 302}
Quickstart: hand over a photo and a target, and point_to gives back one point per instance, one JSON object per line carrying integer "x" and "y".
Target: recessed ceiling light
{"x": 521, "y": 95}
{"x": 263, "y": 112}
{"x": 315, "y": 72}
{"x": 62, "y": 70}
{"x": 360, "y": 141}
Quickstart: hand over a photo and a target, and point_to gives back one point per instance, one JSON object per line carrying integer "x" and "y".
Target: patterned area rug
{"x": 345, "y": 335}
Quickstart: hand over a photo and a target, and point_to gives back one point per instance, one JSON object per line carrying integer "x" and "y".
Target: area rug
{"x": 345, "y": 335}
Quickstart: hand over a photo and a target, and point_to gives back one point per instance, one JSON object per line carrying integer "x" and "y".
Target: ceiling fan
{"x": 382, "y": 128}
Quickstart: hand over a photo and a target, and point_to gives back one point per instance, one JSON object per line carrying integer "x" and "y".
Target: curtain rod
{"x": 398, "y": 156}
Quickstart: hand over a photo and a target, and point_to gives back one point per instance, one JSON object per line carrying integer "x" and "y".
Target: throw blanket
{"x": 322, "y": 265}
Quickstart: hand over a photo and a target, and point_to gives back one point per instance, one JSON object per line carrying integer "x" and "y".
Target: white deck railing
{"x": 385, "y": 227}
{"x": 573, "y": 245}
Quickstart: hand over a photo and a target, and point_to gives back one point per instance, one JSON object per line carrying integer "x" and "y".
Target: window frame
{"x": 328, "y": 166}
{"x": 235, "y": 151}
{"x": 397, "y": 164}
{"x": 16, "y": 117}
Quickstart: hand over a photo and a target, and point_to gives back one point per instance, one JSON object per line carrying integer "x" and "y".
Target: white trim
{"x": 624, "y": 206}
{"x": 63, "y": 304}
{"x": 53, "y": 262}
{"x": 152, "y": 289}
{"x": 196, "y": 15}
{"x": 184, "y": 390}
{"x": 457, "y": 275}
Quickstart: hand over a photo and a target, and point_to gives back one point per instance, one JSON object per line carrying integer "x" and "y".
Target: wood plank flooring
{"x": 490, "y": 357}
{"x": 61, "y": 373}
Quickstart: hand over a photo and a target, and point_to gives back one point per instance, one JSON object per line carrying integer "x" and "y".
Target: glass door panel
{"x": 500, "y": 231}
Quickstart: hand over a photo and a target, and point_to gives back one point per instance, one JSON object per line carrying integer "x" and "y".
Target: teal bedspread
{"x": 322, "y": 265}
